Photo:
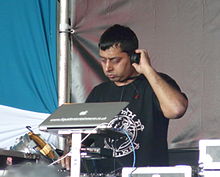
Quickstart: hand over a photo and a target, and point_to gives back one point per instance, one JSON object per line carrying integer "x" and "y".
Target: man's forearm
{"x": 172, "y": 102}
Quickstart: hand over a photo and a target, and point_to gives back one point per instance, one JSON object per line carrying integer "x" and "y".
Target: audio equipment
{"x": 135, "y": 58}
{"x": 175, "y": 171}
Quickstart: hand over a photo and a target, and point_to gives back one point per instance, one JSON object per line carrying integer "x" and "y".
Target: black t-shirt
{"x": 143, "y": 120}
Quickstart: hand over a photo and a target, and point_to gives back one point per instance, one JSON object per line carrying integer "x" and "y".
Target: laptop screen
{"x": 82, "y": 115}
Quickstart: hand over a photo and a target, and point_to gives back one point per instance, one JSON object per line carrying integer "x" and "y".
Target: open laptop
{"x": 82, "y": 115}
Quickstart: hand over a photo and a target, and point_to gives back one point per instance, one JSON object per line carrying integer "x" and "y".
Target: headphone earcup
{"x": 135, "y": 58}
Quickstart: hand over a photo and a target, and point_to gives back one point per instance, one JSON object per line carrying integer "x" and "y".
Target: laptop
{"x": 82, "y": 115}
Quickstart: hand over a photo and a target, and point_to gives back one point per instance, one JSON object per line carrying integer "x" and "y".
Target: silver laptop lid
{"x": 82, "y": 115}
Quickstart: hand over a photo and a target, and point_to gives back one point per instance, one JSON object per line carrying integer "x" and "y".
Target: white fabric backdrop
{"x": 13, "y": 126}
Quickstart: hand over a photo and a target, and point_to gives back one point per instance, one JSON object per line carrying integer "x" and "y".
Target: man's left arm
{"x": 173, "y": 103}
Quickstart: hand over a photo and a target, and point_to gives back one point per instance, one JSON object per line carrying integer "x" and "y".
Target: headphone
{"x": 135, "y": 58}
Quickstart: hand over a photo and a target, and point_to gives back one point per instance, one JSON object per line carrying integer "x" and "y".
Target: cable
{"x": 133, "y": 148}
{"x": 69, "y": 153}
{"x": 56, "y": 161}
{"x": 98, "y": 126}
{"x": 134, "y": 154}
{"x": 130, "y": 175}
{"x": 137, "y": 94}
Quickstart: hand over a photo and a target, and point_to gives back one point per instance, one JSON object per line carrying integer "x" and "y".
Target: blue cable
{"x": 133, "y": 149}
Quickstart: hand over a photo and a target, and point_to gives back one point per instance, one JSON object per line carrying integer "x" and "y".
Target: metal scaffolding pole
{"x": 63, "y": 56}
{"x": 63, "y": 80}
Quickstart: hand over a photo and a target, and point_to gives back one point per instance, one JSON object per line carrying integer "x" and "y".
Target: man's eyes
{"x": 116, "y": 60}
{"x": 113, "y": 60}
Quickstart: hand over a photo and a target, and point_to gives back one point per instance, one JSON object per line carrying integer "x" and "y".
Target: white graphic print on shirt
{"x": 123, "y": 145}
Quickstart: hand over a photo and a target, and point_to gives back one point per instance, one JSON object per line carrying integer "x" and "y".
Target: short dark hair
{"x": 118, "y": 35}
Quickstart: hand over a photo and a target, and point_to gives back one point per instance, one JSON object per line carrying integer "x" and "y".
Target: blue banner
{"x": 28, "y": 55}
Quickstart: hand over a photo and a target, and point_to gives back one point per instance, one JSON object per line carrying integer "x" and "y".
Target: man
{"x": 153, "y": 98}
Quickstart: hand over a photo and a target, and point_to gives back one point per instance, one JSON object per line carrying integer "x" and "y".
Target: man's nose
{"x": 108, "y": 66}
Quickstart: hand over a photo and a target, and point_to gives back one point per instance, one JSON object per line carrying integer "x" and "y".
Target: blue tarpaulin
{"x": 28, "y": 76}
{"x": 28, "y": 55}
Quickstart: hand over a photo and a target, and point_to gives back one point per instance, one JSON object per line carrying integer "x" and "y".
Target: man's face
{"x": 116, "y": 64}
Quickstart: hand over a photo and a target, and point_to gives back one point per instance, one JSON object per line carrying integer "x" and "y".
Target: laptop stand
{"x": 76, "y": 144}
